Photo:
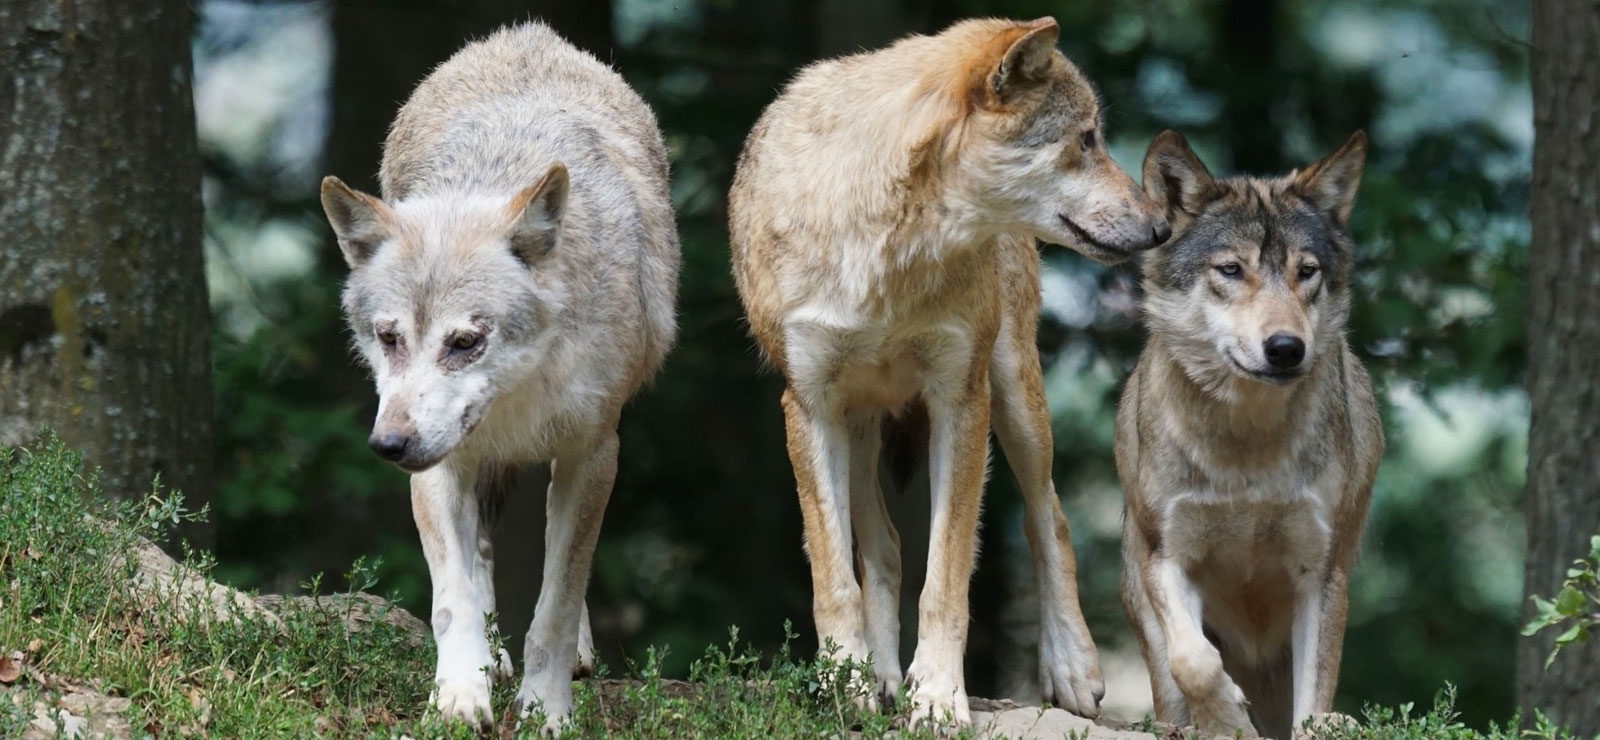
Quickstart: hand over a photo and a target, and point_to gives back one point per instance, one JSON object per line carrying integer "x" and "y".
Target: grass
{"x": 66, "y": 604}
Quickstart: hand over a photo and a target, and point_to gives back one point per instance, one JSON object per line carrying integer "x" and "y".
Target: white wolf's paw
{"x": 553, "y": 712}
{"x": 1326, "y": 724}
{"x": 586, "y": 659}
{"x": 943, "y": 709}
{"x": 887, "y": 684}
{"x": 464, "y": 699}
{"x": 502, "y": 671}
{"x": 1223, "y": 713}
{"x": 1069, "y": 674}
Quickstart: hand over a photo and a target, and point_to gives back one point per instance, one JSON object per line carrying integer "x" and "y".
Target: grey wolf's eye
{"x": 387, "y": 338}
{"x": 465, "y": 342}
{"x": 1229, "y": 269}
{"x": 1088, "y": 139}
{"x": 1308, "y": 271}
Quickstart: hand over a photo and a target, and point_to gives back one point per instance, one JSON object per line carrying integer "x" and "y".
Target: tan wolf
{"x": 1247, "y": 442}
{"x": 510, "y": 292}
{"x": 882, "y": 221}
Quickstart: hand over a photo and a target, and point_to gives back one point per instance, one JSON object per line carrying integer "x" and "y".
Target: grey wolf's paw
{"x": 586, "y": 660}
{"x": 1326, "y": 724}
{"x": 887, "y": 685}
{"x": 1069, "y": 675}
{"x": 465, "y": 700}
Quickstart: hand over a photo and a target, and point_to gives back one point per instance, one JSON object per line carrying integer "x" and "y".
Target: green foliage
{"x": 1576, "y": 606}
{"x": 1442, "y": 722}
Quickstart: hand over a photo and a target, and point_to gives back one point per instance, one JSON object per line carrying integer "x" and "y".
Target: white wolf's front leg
{"x": 446, "y": 511}
{"x": 958, "y": 457}
{"x": 580, "y": 486}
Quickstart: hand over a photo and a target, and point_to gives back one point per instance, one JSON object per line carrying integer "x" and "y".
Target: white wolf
{"x": 512, "y": 289}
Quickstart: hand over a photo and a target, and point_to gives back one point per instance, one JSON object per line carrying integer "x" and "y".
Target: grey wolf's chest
{"x": 1241, "y": 525}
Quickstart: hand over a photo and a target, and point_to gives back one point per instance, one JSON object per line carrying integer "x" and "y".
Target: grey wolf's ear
{"x": 1025, "y": 51}
{"x": 360, "y": 221}
{"x": 538, "y": 210}
{"x": 1176, "y": 179}
{"x": 1330, "y": 183}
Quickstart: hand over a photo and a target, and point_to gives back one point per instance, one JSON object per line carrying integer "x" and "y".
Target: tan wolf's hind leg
{"x": 878, "y": 552}
{"x": 1069, "y": 666}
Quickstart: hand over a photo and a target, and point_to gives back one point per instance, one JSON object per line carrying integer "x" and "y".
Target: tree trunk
{"x": 1563, "y": 497}
{"x": 104, "y": 322}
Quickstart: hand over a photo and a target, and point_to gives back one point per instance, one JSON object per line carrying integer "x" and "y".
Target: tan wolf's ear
{"x": 361, "y": 222}
{"x": 537, "y": 211}
{"x": 1017, "y": 57}
{"x": 1330, "y": 183}
{"x": 1176, "y": 179}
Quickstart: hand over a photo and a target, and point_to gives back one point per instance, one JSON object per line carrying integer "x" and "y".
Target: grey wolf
{"x": 510, "y": 291}
{"x": 1247, "y": 442}
{"x": 882, "y": 220}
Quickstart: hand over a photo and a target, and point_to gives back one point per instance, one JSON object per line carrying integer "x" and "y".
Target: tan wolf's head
{"x": 1030, "y": 145}
{"x": 1255, "y": 282}
{"x": 448, "y": 304}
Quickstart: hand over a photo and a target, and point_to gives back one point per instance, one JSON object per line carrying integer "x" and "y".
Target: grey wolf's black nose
{"x": 391, "y": 447}
{"x": 1285, "y": 351}
{"x": 1161, "y": 233}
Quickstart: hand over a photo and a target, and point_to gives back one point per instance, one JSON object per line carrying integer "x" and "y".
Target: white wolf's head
{"x": 448, "y": 301}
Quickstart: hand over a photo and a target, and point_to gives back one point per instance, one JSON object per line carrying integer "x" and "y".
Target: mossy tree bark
{"x": 104, "y": 323}
{"x": 1563, "y": 495}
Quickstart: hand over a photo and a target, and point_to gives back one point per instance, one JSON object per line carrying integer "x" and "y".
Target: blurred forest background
{"x": 703, "y": 530}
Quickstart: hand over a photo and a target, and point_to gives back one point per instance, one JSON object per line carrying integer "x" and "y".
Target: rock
{"x": 81, "y": 715}
{"x": 356, "y": 611}
{"x": 163, "y": 579}
{"x": 1037, "y": 723}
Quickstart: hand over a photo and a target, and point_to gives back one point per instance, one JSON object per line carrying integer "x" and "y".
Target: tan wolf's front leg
{"x": 446, "y": 511}
{"x": 1216, "y": 704}
{"x": 580, "y": 486}
{"x": 1069, "y": 666}
{"x": 879, "y": 555}
{"x": 1318, "y": 643}
{"x": 958, "y": 457}
{"x": 819, "y": 451}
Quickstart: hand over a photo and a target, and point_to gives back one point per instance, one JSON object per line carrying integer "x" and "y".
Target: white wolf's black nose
{"x": 391, "y": 447}
{"x": 1285, "y": 351}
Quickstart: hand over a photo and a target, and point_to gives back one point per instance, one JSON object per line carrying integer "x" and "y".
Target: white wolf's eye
{"x": 387, "y": 338}
{"x": 465, "y": 341}
{"x": 1308, "y": 271}
{"x": 1229, "y": 269}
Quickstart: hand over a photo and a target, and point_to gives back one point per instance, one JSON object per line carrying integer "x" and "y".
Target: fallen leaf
{"x": 35, "y": 645}
{"x": 10, "y": 668}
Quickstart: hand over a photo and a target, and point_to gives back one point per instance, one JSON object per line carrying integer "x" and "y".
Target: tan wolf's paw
{"x": 1069, "y": 676}
{"x": 465, "y": 700}
{"x": 943, "y": 711}
{"x": 1326, "y": 724}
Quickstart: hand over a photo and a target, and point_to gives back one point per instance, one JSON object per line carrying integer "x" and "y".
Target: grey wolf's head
{"x": 1032, "y": 146}
{"x": 1255, "y": 282}
{"x": 448, "y": 304}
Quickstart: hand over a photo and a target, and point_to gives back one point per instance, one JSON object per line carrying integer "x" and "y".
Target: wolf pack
{"x": 515, "y": 284}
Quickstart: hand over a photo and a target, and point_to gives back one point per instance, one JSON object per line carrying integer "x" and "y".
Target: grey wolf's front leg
{"x": 580, "y": 486}
{"x": 958, "y": 457}
{"x": 1318, "y": 641}
{"x": 1216, "y": 703}
{"x": 446, "y": 511}
{"x": 1069, "y": 666}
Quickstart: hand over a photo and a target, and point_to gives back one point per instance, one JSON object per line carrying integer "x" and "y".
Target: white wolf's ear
{"x": 1175, "y": 178}
{"x": 537, "y": 211}
{"x": 360, "y": 221}
{"x": 1330, "y": 183}
{"x": 1025, "y": 49}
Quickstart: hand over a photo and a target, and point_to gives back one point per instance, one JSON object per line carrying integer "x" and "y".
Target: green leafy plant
{"x": 1575, "y": 607}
